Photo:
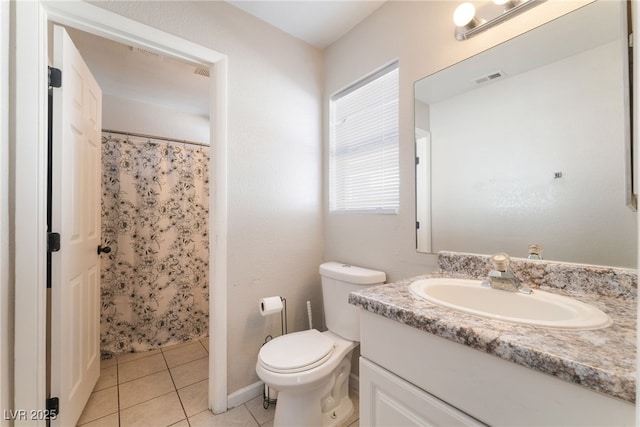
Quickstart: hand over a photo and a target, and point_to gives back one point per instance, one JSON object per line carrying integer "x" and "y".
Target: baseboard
{"x": 245, "y": 394}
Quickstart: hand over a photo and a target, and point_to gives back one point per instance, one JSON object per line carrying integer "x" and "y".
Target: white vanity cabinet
{"x": 392, "y": 401}
{"x": 409, "y": 377}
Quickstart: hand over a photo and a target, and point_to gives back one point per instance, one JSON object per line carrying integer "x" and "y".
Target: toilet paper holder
{"x": 272, "y": 305}
{"x": 267, "y": 307}
{"x": 283, "y": 316}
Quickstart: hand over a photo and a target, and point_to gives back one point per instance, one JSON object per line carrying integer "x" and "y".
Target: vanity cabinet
{"x": 411, "y": 377}
{"x": 391, "y": 401}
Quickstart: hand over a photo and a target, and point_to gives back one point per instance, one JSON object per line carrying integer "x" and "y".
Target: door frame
{"x": 30, "y": 154}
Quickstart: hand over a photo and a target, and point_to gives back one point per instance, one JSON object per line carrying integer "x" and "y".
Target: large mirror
{"x": 528, "y": 143}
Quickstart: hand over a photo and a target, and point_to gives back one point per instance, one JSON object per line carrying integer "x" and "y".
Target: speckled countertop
{"x": 602, "y": 360}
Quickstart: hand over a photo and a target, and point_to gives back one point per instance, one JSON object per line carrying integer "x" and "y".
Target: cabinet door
{"x": 388, "y": 400}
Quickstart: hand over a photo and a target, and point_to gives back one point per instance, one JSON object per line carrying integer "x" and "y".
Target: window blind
{"x": 363, "y": 146}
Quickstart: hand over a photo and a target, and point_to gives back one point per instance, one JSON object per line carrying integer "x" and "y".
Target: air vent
{"x": 202, "y": 71}
{"x": 489, "y": 77}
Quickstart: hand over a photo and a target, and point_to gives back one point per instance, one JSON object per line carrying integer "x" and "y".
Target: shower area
{"x": 155, "y": 212}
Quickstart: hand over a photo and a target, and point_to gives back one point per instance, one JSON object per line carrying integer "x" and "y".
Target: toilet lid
{"x": 296, "y": 352}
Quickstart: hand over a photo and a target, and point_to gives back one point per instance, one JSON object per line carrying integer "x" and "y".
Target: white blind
{"x": 363, "y": 152}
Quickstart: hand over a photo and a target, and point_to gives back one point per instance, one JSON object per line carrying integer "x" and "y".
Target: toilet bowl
{"x": 310, "y": 369}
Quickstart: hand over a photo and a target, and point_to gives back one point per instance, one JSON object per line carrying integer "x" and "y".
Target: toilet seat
{"x": 296, "y": 352}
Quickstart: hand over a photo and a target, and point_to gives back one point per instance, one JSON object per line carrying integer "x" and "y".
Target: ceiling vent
{"x": 202, "y": 71}
{"x": 492, "y": 76}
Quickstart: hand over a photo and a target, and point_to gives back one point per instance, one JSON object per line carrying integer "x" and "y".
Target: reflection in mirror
{"x": 526, "y": 143}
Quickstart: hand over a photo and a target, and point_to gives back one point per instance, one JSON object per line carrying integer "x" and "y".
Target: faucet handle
{"x": 535, "y": 252}
{"x": 500, "y": 261}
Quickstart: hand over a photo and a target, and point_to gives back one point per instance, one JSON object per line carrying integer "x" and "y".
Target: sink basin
{"x": 538, "y": 309}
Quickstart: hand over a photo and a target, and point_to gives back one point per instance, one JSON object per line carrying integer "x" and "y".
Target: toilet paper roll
{"x": 270, "y": 305}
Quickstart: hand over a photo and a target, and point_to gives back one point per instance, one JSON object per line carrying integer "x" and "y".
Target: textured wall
{"x": 141, "y": 117}
{"x": 274, "y": 165}
{"x": 420, "y": 35}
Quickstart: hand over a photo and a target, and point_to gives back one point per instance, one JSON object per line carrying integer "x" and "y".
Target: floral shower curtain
{"x": 155, "y": 210}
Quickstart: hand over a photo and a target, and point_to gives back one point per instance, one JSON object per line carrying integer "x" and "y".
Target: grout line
{"x": 149, "y": 400}
{"x": 170, "y": 374}
{"x": 251, "y": 413}
{"x": 175, "y": 387}
{"x": 144, "y": 376}
{"x": 104, "y": 416}
{"x": 153, "y": 353}
{"x": 118, "y": 390}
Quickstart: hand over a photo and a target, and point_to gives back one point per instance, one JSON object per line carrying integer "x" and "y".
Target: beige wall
{"x": 276, "y": 100}
{"x": 420, "y": 35}
{"x": 274, "y": 166}
{"x": 131, "y": 115}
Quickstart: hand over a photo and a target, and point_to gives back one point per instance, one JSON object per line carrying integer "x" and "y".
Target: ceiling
{"x": 319, "y": 22}
{"x": 145, "y": 76}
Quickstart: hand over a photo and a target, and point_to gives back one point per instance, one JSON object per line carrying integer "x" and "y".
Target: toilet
{"x": 310, "y": 369}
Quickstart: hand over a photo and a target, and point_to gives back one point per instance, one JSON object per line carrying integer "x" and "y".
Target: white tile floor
{"x": 167, "y": 387}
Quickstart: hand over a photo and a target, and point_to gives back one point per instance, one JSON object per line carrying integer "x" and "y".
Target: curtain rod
{"x": 161, "y": 138}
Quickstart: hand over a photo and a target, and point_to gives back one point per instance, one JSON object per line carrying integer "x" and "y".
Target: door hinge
{"x": 55, "y": 77}
{"x": 417, "y": 161}
{"x": 417, "y": 225}
{"x": 53, "y": 408}
{"x": 53, "y": 242}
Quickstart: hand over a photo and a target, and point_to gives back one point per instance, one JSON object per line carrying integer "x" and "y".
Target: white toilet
{"x": 310, "y": 369}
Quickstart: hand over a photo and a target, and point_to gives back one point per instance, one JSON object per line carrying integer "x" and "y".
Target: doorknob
{"x": 103, "y": 249}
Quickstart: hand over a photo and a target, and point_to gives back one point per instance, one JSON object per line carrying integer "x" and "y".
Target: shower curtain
{"x": 155, "y": 210}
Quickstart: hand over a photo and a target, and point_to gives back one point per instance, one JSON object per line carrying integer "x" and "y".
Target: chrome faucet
{"x": 501, "y": 278}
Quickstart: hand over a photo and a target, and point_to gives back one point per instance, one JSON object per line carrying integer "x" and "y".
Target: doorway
{"x": 155, "y": 196}
{"x": 30, "y": 180}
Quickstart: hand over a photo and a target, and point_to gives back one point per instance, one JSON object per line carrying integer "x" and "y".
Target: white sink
{"x": 538, "y": 308}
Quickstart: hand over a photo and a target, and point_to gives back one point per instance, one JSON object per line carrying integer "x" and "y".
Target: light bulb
{"x": 500, "y": 2}
{"x": 464, "y": 14}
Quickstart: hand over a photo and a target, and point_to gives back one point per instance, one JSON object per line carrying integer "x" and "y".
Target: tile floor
{"x": 167, "y": 387}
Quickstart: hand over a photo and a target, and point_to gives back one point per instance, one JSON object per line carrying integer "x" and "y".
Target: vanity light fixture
{"x": 465, "y": 16}
{"x": 497, "y": 11}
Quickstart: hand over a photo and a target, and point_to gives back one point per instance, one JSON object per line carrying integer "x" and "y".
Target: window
{"x": 363, "y": 146}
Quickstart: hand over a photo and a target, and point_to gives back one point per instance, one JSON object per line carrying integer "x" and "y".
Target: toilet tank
{"x": 338, "y": 280}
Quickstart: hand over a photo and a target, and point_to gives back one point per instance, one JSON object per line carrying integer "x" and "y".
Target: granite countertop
{"x": 602, "y": 360}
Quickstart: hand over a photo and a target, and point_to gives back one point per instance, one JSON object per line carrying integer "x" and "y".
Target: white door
{"x": 75, "y": 288}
